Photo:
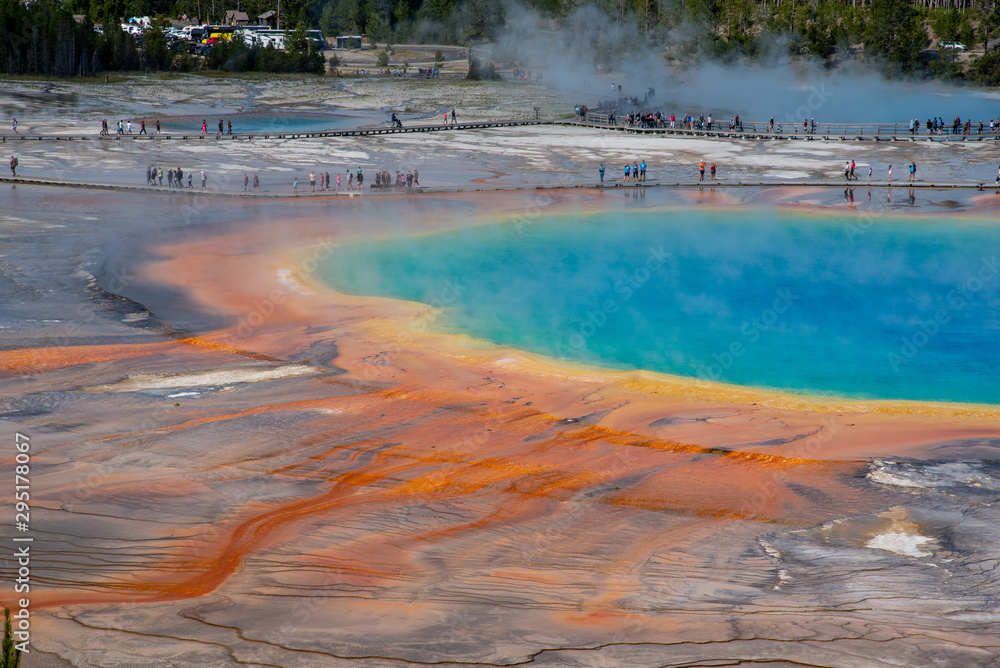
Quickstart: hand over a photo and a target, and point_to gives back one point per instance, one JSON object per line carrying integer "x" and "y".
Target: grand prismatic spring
{"x": 468, "y": 425}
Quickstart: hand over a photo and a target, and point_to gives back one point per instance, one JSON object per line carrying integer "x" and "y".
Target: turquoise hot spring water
{"x": 885, "y": 307}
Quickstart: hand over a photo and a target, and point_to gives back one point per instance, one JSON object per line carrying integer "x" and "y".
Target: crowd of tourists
{"x": 937, "y": 126}
{"x": 351, "y": 180}
{"x": 175, "y": 177}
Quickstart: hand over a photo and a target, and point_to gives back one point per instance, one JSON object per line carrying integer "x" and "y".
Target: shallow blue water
{"x": 257, "y": 122}
{"x": 904, "y": 308}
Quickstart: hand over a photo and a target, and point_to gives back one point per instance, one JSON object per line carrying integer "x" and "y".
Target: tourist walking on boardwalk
{"x": 712, "y": 170}
{"x": 178, "y": 176}
{"x": 327, "y": 180}
{"x": 246, "y": 181}
{"x": 14, "y": 125}
{"x": 229, "y": 125}
{"x": 853, "y": 175}
{"x": 204, "y": 179}
{"x": 350, "y": 180}
{"x": 159, "y": 174}
{"x": 913, "y": 171}
{"x": 847, "y": 171}
{"x": 601, "y": 169}
{"x": 312, "y": 181}
{"x": 446, "y": 118}
{"x": 204, "y": 127}
{"x": 170, "y": 178}
{"x": 130, "y": 126}
{"x": 890, "y": 173}
{"x": 157, "y": 126}
{"x": 295, "y": 186}
{"x": 635, "y": 172}
{"x": 628, "y": 170}
{"x": 220, "y": 126}
{"x": 453, "y": 120}
{"x": 416, "y": 180}
{"x": 701, "y": 170}
{"x": 338, "y": 181}
{"x": 13, "y": 166}
{"x": 256, "y": 182}
{"x": 189, "y": 181}
{"x": 642, "y": 170}
{"x": 142, "y": 130}
{"x": 104, "y": 127}
{"x": 361, "y": 178}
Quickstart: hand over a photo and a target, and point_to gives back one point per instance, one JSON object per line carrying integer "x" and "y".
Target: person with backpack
{"x": 13, "y": 165}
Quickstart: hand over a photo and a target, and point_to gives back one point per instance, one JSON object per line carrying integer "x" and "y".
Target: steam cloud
{"x": 590, "y": 50}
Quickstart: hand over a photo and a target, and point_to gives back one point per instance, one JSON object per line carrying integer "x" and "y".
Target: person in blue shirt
{"x": 601, "y": 172}
{"x": 642, "y": 171}
{"x": 628, "y": 170}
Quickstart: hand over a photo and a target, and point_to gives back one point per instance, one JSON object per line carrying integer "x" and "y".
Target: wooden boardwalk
{"x": 752, "y": 131}
{"x": 306, "y": 194}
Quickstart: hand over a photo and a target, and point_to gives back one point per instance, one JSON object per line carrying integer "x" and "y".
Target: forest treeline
{"x": 42, "y": 36}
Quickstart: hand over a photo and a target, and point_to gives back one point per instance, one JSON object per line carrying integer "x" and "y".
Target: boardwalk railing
{"x": 786, "y": 130}
{"x": 748, "y": 130}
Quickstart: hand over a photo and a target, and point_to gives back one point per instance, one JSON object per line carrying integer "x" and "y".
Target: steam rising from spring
{"x": 589, "y": 50}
